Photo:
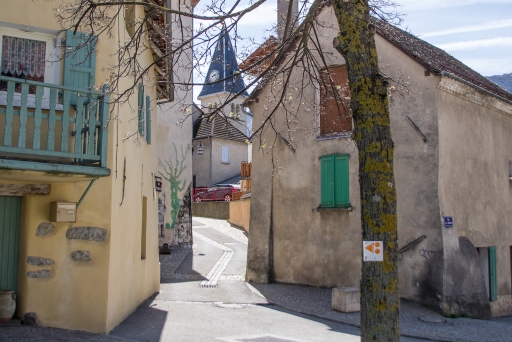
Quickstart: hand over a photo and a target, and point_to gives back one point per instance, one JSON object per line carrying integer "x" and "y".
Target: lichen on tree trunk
{"x": 380, "y": 300}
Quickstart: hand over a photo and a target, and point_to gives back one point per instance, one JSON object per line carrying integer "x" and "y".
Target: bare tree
{"x": 288, "y": 66}
{"x": 380, "y": 301}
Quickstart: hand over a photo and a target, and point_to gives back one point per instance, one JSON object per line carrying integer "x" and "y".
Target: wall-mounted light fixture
{"x": 200, "y": 148}
{"x": 158, "y": 184}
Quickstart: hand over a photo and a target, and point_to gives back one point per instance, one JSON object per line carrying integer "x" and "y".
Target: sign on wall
{"x": 448, "y": 221}
{"x": 373, "y": 251}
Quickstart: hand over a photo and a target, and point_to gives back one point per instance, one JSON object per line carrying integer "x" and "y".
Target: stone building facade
{"x": 451, "y": 161}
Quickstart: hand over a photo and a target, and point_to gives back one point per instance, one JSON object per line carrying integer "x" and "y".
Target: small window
{"x": 248, "y": 120}
{"x": 334, "y": 181}
{"x": 25, "y": 55}
{"x": 335, "y": 115}
{"x": 225, "y": 154}
{"x": 24, "y": 59}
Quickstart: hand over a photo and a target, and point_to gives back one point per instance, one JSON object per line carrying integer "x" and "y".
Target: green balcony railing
{"x": 51, "y": 123}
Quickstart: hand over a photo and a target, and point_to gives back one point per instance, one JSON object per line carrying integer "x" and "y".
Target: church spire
{"x": 223, "y": 67}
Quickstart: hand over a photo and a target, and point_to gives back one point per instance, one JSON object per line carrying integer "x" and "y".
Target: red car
{"x": 216, "y": 194}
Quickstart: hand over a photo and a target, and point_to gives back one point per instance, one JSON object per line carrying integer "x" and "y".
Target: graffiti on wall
{"x": 172, "y": 171}
{"x": 426, "y": 253}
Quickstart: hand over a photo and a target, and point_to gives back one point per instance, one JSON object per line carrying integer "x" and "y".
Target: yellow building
{"x": 91, "y": 272}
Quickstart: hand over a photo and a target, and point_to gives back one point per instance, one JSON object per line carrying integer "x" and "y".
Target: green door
{"x": 10, "y": 212}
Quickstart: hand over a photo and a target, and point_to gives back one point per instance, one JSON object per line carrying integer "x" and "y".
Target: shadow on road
{"x": 145, "y": 324}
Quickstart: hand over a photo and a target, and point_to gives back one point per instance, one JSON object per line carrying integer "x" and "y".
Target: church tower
{"x": 224, "y": 83}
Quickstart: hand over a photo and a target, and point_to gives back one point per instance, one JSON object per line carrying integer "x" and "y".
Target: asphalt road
{"x": 185, "y": 311}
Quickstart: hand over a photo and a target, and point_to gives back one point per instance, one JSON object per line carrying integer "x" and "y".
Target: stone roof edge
{"x": 457, "y": 86}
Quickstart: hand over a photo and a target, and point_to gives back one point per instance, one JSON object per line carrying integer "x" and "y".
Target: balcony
{"x": 53, "y": 129}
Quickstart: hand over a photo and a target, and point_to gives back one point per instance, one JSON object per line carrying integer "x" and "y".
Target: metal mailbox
{"x": 62, "y": 212}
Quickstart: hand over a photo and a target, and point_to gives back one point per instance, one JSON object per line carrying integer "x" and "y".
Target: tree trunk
{"x": 380, "y": 301}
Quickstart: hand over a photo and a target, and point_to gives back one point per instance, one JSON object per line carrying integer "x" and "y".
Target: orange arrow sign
{"x": 370, "y": 247}
{"x": 372, "y": 251}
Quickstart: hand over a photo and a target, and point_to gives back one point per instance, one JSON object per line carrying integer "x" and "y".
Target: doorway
{"x": 10, "y": 214}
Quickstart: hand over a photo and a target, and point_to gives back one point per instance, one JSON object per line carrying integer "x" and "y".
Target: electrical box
{"x": 62, "y": 212}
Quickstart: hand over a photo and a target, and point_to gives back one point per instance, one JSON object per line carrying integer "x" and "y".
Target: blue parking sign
{"x": 448, "y": 221}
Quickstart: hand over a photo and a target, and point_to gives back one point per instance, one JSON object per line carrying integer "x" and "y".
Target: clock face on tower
{"x": 214, "y": 76}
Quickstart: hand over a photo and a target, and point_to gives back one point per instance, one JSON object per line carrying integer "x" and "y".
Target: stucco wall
{"x": 75, "y": 293}
{"x": 201, "y": 163}
{"x": 323, "y": 247}
{"x": 140, "y": 277}
{"x": 174, "y": 131}
{"x": 237, "y": 154}
{"x": 474, "y": 177}
{"x": 416, "y": 164}
{"x": 310, "y": 247}
{"x": 92, "y": 295}
{"x": 240, "y": 213}
{"x": 209, "y": 169}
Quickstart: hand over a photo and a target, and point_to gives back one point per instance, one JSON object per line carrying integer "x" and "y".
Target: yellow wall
{"x": 240, "y": 213}
{"x": 140, "y": 278}
{"x": 96, "y": 295}
{"x": 73, "y": 296}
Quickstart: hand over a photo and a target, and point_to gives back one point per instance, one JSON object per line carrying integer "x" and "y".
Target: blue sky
{"x": 478, "y": 33}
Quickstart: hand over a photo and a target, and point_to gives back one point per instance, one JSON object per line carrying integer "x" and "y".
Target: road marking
{"x": 213, "y": 276}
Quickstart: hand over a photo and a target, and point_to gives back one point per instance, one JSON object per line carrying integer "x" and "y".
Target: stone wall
{"x": 183, "y": 226}
{"x": 216, "y": 210}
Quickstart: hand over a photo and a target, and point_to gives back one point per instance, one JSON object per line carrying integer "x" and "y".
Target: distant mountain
{"x": 504, "y": 81}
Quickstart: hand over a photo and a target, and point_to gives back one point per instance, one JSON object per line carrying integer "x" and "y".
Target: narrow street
{"x": 203, "y": 297}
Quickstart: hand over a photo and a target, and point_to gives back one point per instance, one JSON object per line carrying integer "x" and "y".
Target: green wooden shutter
{"x": 493, "y": 275}
{"x": 327, "y": 181}
{"x": 79, "y": 62}
{"x": 141, "y": 109}
{"x": 148, "y": 119}
{"x": 10, "y": 213}
{"x": 341, "y": 181}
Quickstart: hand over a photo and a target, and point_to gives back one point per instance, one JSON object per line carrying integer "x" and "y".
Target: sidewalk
{"x": 432, "y": 326}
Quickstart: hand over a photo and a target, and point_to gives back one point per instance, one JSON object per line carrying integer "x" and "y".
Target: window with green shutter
{"x": 148, "y": 119}
{"x": 334, "y": 181}
{"x": 493, "y": 275}
{"x": 144, "y": 114}
{"x": 79, "y": 61}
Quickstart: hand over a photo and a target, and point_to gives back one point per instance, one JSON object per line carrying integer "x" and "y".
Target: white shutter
{"x": 225, "y": 154}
